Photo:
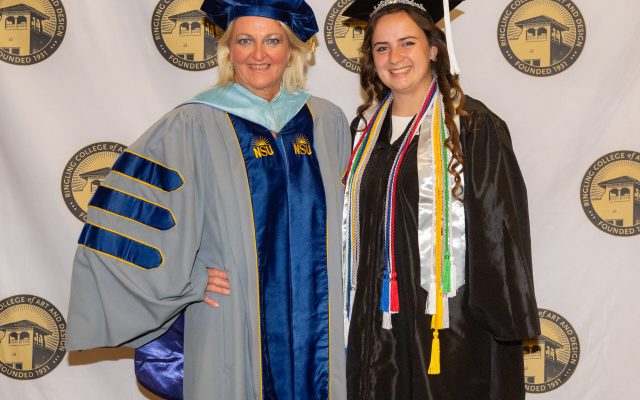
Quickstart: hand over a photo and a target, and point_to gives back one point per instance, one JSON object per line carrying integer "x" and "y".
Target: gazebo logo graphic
{"x": 30, "y": 30}
{"x": 541, "y": 37}
{"x": 551, "y": 358}
{"x": 610, "y": 193}
{"x": 84, "y": 173}
{"x": 343, "y": 36}
{"x": 184, "y": 35}
{"x": 32, "y": 332}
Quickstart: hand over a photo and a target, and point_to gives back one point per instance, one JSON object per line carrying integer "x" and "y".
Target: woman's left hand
{"x": 217, "y": 283}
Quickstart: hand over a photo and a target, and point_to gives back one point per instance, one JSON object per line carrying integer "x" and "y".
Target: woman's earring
{"x": 231, "y": 67}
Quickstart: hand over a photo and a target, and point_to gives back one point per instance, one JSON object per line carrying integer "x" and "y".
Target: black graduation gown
{"x": 481, "y": 352}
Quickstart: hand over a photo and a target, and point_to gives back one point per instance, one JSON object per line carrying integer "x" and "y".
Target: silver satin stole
{"x": 426, "y": 224}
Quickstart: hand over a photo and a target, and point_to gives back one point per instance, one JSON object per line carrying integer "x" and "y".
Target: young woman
{"x": 436, "y": 249}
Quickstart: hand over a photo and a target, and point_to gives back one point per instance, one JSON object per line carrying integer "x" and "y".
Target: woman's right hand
{"x": 217, "y": 283}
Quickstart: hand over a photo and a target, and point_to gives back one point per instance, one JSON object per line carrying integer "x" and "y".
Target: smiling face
{"x": 259, "y": 51}
{"x": 402, "y": 55}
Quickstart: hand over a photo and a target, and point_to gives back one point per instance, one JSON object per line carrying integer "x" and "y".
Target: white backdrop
{"x": 108, "y": 82}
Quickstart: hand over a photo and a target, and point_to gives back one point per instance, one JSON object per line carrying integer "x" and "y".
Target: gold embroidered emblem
{"x": 301, "y": 145}
{"x": 261, "y": 147}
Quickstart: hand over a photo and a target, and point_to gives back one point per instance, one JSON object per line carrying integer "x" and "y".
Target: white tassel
{"x": 352, "y": 297}
{"x": 454, "y": 67}
{"x": 431, "y": 298}
{"x": 445, "y": 312}
{"x": 386, "y": 320}
{"x": 347, "y": 321}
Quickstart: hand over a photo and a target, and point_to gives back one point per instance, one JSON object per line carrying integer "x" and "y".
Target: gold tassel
{"x": 312, "y": 44}
{"x": 434, "y": 365}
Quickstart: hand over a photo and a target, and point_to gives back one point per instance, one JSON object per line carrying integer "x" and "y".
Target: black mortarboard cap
{"x": 362, "y": 9}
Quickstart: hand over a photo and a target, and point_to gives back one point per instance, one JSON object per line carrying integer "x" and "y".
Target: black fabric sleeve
{"x": 500, "y": 277}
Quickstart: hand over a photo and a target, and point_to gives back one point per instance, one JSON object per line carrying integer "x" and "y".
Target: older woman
{"x": 437, "y": 261}
{"x": 245, "y": 178}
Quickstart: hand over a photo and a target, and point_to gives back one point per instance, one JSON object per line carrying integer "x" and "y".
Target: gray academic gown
{"x": 114, "y": 302}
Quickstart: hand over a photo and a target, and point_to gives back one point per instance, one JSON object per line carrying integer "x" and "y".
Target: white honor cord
{"x": 454, "y": 67}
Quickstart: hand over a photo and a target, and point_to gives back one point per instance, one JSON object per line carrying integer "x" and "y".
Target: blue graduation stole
{"x": 289, "y": 211}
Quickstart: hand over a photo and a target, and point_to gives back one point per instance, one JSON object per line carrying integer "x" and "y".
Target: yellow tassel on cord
{"x": 436, "y": 325}
{"x": 434, "y": 365}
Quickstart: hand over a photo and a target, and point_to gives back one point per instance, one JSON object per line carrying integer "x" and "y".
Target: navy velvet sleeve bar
{"x": 120, "y": 247}
{"x": 132, "y": 207}
{"x": 148, "y": 171}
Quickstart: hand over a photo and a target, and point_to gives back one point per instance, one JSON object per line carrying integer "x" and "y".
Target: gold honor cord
{"x": 436, "y": 320}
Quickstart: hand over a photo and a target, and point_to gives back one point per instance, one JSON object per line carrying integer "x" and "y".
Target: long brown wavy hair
{"x": 375, "y": 90}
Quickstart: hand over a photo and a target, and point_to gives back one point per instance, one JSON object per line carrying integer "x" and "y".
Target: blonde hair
{"x": 293, "y": 78}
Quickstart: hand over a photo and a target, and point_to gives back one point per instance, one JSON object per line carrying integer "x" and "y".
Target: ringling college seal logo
{"x": 30, "y": 30}
{"x": 541, "y": 37}
{"x": 344, "y": 36}
{"x": 551, "y": 358}
{"x": 610, "y": 193}
{"x": 32, "y": 337}
{"x": 184, "y": 35}
{"x": 84, "y": 173}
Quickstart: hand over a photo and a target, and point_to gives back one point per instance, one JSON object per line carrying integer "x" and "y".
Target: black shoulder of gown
{"x": 499, "y": 270}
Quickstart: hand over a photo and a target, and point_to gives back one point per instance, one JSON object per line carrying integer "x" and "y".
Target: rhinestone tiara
{"x": 385, "y": 3}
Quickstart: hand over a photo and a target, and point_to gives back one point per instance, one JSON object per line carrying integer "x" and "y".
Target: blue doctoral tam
{"x": 296, "y": 14}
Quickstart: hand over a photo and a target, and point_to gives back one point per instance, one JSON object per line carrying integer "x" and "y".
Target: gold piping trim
{"x": 310, "y": 111}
